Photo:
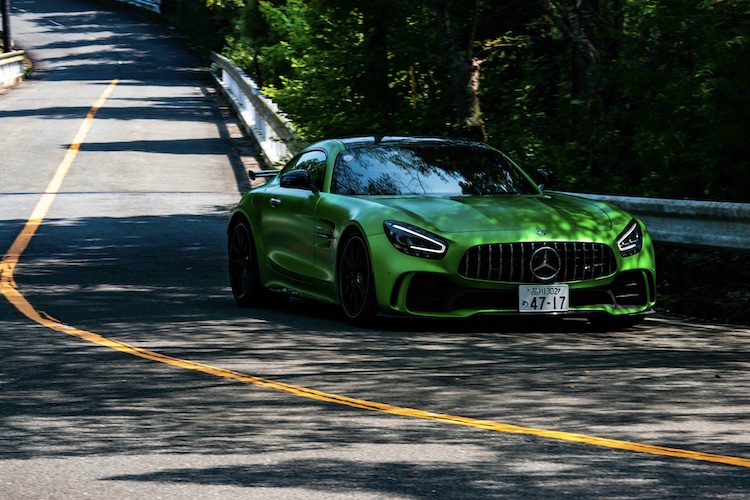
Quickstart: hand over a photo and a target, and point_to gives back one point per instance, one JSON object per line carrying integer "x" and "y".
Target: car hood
{"x": 463, "y": 214}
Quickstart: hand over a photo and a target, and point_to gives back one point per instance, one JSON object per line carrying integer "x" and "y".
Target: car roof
{"x": 404, "y": 140}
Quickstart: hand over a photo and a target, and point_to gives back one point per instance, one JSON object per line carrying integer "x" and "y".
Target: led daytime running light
{"x": 413, "y": 241}
{"x": 630, "y": 241}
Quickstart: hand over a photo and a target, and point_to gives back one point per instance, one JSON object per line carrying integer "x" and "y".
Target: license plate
{"x": 543, "y": 298}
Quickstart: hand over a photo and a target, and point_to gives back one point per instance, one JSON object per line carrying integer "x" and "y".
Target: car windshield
{"x": 427, "y": 169}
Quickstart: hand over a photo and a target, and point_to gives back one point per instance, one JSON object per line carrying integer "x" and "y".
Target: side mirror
{"x": 546, "y": 178}
{"x": 297, "y": 179}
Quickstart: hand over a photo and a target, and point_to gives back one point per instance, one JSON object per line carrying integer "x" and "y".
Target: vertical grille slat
{"x": 503, "y": 259}
{"x": 492, "y": 271}
{"x": 511, "y": 262}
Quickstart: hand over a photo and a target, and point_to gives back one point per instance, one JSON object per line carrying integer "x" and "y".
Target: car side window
{"x": 314, "y": 163}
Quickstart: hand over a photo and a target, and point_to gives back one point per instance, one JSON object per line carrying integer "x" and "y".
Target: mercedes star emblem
{"x": 545, "y": 263}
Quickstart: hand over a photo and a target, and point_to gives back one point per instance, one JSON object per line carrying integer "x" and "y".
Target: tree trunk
{"x": 464, "y": 71}
{"x": 376, "y": 87}
{"x": 570, "y": 19}
{"x": 7, "y": 40}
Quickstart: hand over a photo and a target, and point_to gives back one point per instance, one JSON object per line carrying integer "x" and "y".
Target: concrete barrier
{"x": 11, "y": 68}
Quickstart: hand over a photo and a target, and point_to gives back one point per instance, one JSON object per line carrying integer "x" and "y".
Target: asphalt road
{"x": 140, "y": 378}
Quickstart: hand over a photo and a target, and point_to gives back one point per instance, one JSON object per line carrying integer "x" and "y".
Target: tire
{"x": 244, "y": 274}
{"x": 355, "y": 281}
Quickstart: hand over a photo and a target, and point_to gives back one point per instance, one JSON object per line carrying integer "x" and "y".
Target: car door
{"x": 288, "y": 221}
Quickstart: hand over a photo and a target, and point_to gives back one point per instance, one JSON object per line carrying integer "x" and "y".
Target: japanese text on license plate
{"x": 543, "y": 298}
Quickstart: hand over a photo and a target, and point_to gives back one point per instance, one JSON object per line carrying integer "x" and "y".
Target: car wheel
{"x": 244, "y": 275}
{"x": 356, "y": 287}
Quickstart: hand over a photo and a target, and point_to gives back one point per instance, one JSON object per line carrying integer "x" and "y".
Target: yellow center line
{"x": 9, "y": 288}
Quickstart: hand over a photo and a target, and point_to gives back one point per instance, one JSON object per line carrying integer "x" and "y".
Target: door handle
{"x": 275, "y": 202}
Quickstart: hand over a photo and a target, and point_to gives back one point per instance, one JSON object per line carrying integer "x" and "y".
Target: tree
{"x": 463, "y": 67}
{"x": 638, "y": 97}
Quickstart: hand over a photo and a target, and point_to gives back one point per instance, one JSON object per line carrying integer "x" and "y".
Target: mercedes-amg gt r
{"x": 436, "y": 228}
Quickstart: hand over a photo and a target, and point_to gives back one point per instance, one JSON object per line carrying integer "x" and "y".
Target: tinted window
{"x": 314, "y": 162}
{"x": 426, "y": 169}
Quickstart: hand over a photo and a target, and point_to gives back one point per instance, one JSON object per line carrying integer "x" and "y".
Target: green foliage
{"x": 681, "y": 99}
{"x": 669, "y": 109}
{"x": 314, "y": 64}
{"x": 704, "y": 283}
{"x": 207, "y": 24}
{"x": 642, "y": 97}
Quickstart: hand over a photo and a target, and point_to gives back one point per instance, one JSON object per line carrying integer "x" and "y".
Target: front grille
{"x": 511, "y": 262}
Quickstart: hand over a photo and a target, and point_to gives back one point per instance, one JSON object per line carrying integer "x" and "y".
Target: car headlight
{"x": 630, "y": 241}
{"x": 414, "y": 241}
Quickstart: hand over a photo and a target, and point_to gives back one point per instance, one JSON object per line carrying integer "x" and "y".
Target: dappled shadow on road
{"x": 165, "y": 108}
{"x": 151, "y": 282}
{"x": 104, "y": 44}
{"x": 544, "y": 476}
{"x": 171, "y": 146}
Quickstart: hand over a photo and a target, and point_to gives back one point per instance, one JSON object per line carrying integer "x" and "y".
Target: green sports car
{"x": 436, "y": 228}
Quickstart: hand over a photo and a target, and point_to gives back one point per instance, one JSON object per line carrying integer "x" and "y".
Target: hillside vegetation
{"x": 641, "y": 97}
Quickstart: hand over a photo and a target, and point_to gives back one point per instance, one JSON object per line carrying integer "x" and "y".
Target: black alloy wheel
{"x": 243, "y": 267}
{"x": 356, "y": 287}
{"x": 244, "y": 274}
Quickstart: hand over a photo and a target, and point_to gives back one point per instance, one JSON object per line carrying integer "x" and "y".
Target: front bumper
{"x": 601, "y": 281}
{"x": 424, "y": 294}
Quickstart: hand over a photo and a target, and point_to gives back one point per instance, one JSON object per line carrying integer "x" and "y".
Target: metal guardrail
{"x": 687, "y": 222}
{"x": 11, "y": 68}
{"x": 258, "y": 113}
{"x": 152, "y": 5}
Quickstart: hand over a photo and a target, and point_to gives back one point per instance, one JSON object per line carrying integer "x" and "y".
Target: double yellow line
{"x": 9, "y": 288}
